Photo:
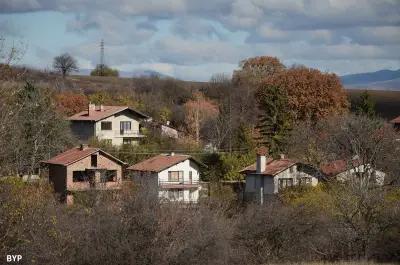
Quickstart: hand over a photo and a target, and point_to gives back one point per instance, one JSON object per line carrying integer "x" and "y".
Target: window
{"x": 305, "y": 181}
{"x": 175, "y": 176}
{"x": 175, "y": 194}
{"x": 127, "y": 141}
{"x": 79, "y": 176}
{"x": 125, "y": 126}
{"x": 284, "y": 183}
{"x": 110, "y": 175}
{"x": 106, "y": 125}
{"x": 190, "y": 177}
{"x": 93, "y": 160}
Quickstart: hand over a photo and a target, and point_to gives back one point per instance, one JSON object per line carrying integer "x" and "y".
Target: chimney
{"x": 101, "y": 107}
{"x": 282, "y": 156}
{"x": 91, "y": 107}
{"x": 172, "y": 154}
{"x": 167, "y": 123}
{"x": 83, "y": 147}
{"x": 262, "y": 153}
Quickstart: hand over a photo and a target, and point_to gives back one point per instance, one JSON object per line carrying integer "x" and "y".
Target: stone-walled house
{"x": 269, "y": 176}
{"x": 84, "y": 168}
{"x": 174, "y": 177}
{"x": 116, "y": 124}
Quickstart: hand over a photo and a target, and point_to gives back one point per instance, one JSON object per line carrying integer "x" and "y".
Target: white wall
{"x": 184, "y": 166}
{"x": 114, "y": 133}
{"x": 271, "y": 184}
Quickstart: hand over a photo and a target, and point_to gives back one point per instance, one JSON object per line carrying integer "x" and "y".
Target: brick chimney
{"x": 262, "y": 153}
{"x": 83, "y": 147}
{"x": 91, "y": 107}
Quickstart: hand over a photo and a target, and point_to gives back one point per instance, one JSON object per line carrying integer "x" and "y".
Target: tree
{"x": 69, "y": 103}
{"x": 311, "y": 94}
{"x": 275, "y": 119}
{"x": 197, "y": 111}
{"x": 35, "y": 130}
{"x": 104, "y": 70}
{"x": 366, "y": 106}
{"x": 65, "y": 64}
{"x": 359, "y": 205}
{"x": 254, "y": 70}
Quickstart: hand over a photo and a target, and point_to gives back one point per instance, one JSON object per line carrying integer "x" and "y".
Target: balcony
{"x": 181, "y": 184}
{"x": 120, "y": 133}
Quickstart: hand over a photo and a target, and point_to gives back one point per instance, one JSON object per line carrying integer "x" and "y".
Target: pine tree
{"x": 274, "y": 119}
{"x": 366, "y": 105}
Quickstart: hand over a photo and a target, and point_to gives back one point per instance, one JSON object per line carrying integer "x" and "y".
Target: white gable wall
{"x": 186, "y": 166}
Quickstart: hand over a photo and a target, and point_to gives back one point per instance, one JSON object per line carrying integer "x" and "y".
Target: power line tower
{"x": 102, "y": 57}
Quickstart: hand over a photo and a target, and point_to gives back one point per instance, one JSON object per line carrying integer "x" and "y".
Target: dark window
{"x": 125, "y": 126}
{"x": 175, "y": 176}
{"x": 93, "y": 161}
{"x": 106, "y": 125}
{"x": 79, "y": 176}
{"x": 127, "y": 141}
{"x": 111, "y": 175}
{"x": 284, "y": 183}
{"x": 175, "y": 194}
{"x": 190, "y": 177}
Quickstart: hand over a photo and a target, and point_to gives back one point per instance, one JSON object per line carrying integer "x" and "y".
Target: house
{"x": 116, "y": 124}
{"x": 396, "y": 123}
{"x": 174, "y": 177}
{"x": 269, "y": 176}
{"x": 162, "y": 129}
{"x": 84, "y": 168}
{"x": 342, "y": 170}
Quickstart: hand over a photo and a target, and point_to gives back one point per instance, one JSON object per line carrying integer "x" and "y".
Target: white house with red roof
{"x": 174, "y": 177}
{"x": 344, "y": 170}
{"x": 269, "y": 176}
{"x": 84, "y": 168}
{"x": 116, "y": 124}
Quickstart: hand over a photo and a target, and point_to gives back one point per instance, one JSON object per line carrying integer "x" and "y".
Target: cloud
{"x": 185, "y": 36}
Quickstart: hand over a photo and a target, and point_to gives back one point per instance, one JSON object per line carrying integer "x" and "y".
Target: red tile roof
{"x": 395, "y": 120}
{"x": 76, "y": 154}
{"x": 159, "y": 163}
{"x": 96, "y": 115}
{"x": 272, "y": 166}
{"x": 338, "y": 166}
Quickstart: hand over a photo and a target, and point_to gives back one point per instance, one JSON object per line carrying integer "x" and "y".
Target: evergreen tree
{"x": 274, "y": 119}
{"x": 366, "y": 105}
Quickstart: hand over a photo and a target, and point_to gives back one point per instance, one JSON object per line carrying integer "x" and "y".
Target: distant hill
{"x": 380, "y": 80}
{"x": 135, "y": 73}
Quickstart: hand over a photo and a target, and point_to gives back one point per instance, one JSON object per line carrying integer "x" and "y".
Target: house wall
{"x": 83, "y": 130}
{"x": 270, "y": 185}
{"x": 189, "y": 194}
{"x": 102, "y": 162}
{"x": 344, "y": 176}
{"x": 114, "y": 134}
{"x": 57, "y": 176}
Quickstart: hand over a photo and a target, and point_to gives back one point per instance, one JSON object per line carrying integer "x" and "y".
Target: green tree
{"x": 35, "y": 132}
{"x": 104, "y": 70}
{"x": 366, "y": 106}
{"x": 274, "y": 119}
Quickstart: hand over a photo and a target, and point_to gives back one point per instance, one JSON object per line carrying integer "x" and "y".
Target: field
{"x": 387, "y": 102}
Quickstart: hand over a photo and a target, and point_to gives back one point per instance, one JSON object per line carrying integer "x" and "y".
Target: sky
{"x": 194, "y": 39}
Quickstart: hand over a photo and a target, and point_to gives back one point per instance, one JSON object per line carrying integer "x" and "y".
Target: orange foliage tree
{"x": 197, "y": 111}
{"x": 254, "y": 70}
{"x": 69, "y": 103}
{"x": 311, "y": 93}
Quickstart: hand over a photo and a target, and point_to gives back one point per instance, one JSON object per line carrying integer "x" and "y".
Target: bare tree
{"x": 65, "y": 64}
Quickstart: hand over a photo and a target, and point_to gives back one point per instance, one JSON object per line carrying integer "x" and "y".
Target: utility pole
{"x": 102, "y": 57}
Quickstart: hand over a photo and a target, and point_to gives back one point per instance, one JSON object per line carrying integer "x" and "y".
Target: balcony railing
{"x": 179, "y": 183}
{"x": 120, "y": 133}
